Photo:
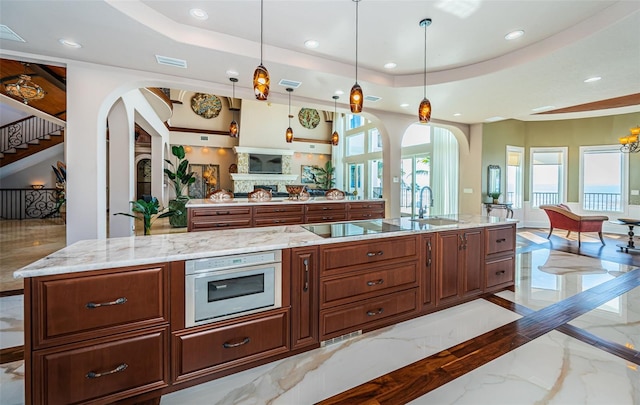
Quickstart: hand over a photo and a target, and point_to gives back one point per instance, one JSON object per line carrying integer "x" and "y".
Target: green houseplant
{"x": 324, "y": 175}
{"x": 180, "y": 178}
{"x": 147, "y": 211}
{"x": 495, "y": 195}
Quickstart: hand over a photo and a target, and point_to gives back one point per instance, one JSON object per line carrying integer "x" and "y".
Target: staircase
{"x": 27, "y": 136}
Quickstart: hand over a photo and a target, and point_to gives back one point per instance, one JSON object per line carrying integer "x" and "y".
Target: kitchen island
{"x": 108, "y": 317}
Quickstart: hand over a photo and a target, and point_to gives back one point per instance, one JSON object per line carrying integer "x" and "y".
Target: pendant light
{"x": 233, "y": 127}
{"x": 261, "y": 79}
{"x": 24, "y": 89}
{"x": 289, "y": 134}
{"x": 424, "y": 111}
{"x": 335, "y": 138}
{"x": 355, "y": 97}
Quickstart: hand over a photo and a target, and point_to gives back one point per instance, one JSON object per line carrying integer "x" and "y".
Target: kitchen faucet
{"x": 423, "y": 209}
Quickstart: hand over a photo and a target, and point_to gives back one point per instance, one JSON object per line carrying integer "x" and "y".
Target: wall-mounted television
{"x": 265, "y": 164}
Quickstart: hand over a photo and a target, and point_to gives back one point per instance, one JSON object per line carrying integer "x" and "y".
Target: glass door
{"x": 355, "y": 172}
{"x": 415, "y": 193}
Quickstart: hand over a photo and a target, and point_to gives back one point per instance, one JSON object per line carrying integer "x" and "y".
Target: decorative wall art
{"x": 309, "y": 117}
{"x": 308, "y": 175}
{"x": 206, "y": 105}
{"x": 207, "y": 180}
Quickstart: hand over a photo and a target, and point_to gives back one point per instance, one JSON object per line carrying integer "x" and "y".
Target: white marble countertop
{"x": 198, "y": 203}
{"x": 100, "y": 254}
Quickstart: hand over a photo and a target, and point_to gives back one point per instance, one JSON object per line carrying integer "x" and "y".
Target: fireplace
{"x": 244, "y": 181}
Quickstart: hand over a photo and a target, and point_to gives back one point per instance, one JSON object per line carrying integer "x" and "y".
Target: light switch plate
{"x": 635, "y": 192}
{"x": 468, "y": 191}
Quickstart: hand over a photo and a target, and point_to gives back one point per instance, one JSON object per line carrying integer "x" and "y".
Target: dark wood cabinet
{"x": 365, "y": 210}
{"x": 500, "y": 243}
{"x": 304, "y": 298}
{"x": 325, "y": 212}
{"x": 460, "y": 267}
{"x": 223, "y": 217}
{"x": 279, "y": 214}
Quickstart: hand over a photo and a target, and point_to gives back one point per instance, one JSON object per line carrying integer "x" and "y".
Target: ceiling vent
{"x": 289, "y": 83}
{"x": 7, "y": 33}
{"x": 174, "y": 62}
{"x": 372, "y": 98}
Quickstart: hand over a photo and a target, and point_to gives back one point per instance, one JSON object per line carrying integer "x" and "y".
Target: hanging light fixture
{"x": 335, "y": 138}
{"x": 289, "y": 134}
{"x": 424, "y": 111}
{"x": 630, "y": 143}
{"x": 233, "y": 127}
{"x": 24, "y": 88}
{"x": 261, "y": 79}
{"x": 355, "y": 97}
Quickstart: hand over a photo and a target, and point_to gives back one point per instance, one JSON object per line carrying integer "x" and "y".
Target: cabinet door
{"x": 304, "y": 297}
{"x": 427, "y": 280}
{"x": 472, "y": 263}
{"x": 448, "y": 277}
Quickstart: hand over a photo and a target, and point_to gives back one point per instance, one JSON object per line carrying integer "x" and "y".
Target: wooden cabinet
{"x": 304, "y": 298}
{"x": 325, "y": 212}
{"x": 500, "y": 245}
{"x": 103, "y": 333}
{"x": 365, "y": 210}
{"x": 278, "y": 214}
{"x": 369, "y": 284}
{"x": 206, "y": 219}
{"x": 460, "y": 267}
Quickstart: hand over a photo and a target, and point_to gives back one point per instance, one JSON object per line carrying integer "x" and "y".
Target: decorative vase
{"x": 495, "y": 201}
{"x": 179, "y": 219}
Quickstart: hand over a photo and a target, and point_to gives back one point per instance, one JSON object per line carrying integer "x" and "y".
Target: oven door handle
{"x": 228, "y": 345}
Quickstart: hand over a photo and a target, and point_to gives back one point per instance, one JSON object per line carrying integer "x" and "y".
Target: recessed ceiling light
{"x": 493, "y": 119}
{"x": 232, "y": 73}
{"x": 311, "y": 44}
{"x": 543, "y": 108}
{"x": 457, "y": 114}
{"x": 69, "y": 43}
{"x": 592, "y": 79}
{"x": 404, "y": 105}
{"x": 339, "y": 92}
{"x": 198, "y": 14}
{"x": 514, "y": 35}
{"x": 390, "y": 65}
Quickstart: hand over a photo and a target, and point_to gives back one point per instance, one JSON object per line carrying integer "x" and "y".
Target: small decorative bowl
{"x": 295, "y": 190}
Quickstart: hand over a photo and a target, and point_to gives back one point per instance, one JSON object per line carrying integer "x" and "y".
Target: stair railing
{"x": 25, "y": 131}
{"x": 25, "y": 203}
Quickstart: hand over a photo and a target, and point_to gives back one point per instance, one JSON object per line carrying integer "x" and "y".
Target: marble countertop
{"x": 197, "y": 203}
{"x": 100, "y": 254}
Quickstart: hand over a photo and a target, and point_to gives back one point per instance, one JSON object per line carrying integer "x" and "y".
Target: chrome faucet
{"x": 423, "y": 209}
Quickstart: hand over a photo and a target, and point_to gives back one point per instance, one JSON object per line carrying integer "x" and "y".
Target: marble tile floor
{"x": 552, "y": 368}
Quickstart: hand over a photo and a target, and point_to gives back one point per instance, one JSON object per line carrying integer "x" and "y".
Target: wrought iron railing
{"x": 26, "y": 203}
{"x": 602, "y": 201}
{"x": 538, "y": 198}
{"x": 25, "y": 131}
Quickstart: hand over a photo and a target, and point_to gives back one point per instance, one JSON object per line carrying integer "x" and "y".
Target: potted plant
{"x": 180, "y": 178}
{"x": 495, "y": 195}
{"x": 147, "y": 209}
{"x": 324, "y": 175}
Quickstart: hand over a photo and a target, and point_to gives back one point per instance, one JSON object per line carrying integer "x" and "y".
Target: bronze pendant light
{"x": 355, "y": 96}
{"x": 233, "y": 127}
{"x": 289, "y": 134}
{"x": 261, "y": 78}
{"x": 424, "y": 111}
{"x": 335, "y": 138}
{"x": 24, "y": 88}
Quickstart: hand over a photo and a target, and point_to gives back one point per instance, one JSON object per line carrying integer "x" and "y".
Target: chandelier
{"x": 24, "y": 88}
{"x": 630, "y": 143}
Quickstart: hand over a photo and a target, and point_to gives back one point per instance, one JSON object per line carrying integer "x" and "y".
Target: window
{"x": 355, "y": 144}
{"x": 602, "y": 178}
{"x": 548, "y": 176}
{"x": 354, "y": 121}
{"x": 515, "y": 164}
{"x": 375, "y": 178}
{"x": 375, "y": 140}
{"x": 361, "y": 168}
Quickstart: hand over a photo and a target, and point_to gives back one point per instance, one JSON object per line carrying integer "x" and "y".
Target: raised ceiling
{"x": 474, "y": 74}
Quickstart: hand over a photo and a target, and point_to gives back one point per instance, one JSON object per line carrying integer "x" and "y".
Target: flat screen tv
{"x": 265, "y": 164}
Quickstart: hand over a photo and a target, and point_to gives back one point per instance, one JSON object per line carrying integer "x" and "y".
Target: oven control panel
{"x": 228, "y": 262}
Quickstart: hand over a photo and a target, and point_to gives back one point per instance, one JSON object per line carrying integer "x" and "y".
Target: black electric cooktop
{"x": 355, "y": 228}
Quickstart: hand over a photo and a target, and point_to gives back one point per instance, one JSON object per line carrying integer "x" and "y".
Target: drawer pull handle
{"x": 327, "y": 217}
{"x": 501, "y": 240}
{"x": 306, "y": 275}
{"x": 119, "y": 301}
{"x": 222, "y": 212}
{"x": 93, "y": 374}
{"x": 277, "y": 221}
{"x": 374, "y": 313}
{"x": 221, "y": 225}
{"x": 376, "y": 282}
{"x": 428, "y": 253}
{"x": 500, "y": 272}
{"x": 228, "y": 345}
{"x": 372, "y": 254}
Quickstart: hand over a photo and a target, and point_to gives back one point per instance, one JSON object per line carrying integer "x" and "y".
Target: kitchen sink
{"x": 435, "y": 221}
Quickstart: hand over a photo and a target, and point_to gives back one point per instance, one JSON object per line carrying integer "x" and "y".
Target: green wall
{"x": 569, "y": 133}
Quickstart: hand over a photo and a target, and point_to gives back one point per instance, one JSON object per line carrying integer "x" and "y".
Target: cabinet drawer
{"x": 278, "y": 221}
{"x": 211, "y": 224}
{"x": 272, "y": 211}
{"x": 365, "y": 215}
{"x": 373, "y": 251}
{"x": 500, "y": 240}
{"x": 327, "y": 217}
{"x": 226, "y": 346}
{"x": 98, "y": 304}
{"x": 500, "y": 272}
{"x": 357, "y": 286}
{"x": 219, "y": 211}
{"x": 349, "y": 318}
{"x": 371, "y": 206}
{"x": 109, "y": 370}
{"x": 317, "y": 209}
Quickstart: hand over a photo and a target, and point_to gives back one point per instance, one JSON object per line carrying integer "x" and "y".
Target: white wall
{"x": 34, "y": 169}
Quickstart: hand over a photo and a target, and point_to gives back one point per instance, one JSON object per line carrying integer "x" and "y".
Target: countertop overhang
{"x": 101, "y": 254}
{"x": 207, "y": 203}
